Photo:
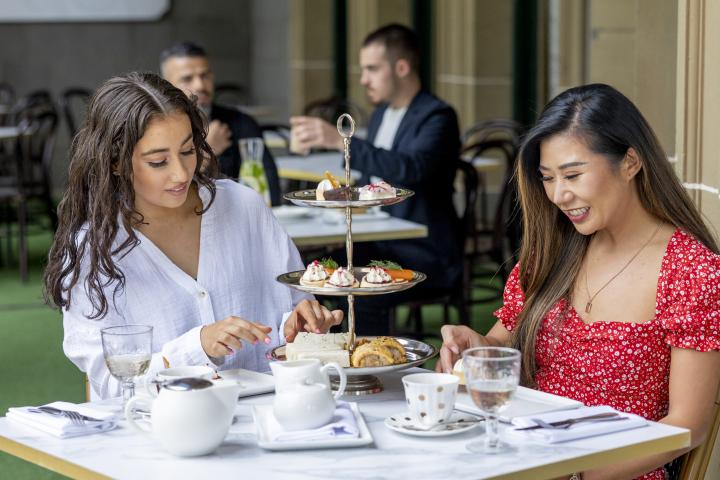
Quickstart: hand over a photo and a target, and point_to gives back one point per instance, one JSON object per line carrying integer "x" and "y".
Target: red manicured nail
{"x": 267, "y": 340}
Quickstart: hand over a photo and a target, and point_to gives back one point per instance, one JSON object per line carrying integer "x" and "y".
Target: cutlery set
{"x": 76, "y": 418}
{"x": 567, "y": 423}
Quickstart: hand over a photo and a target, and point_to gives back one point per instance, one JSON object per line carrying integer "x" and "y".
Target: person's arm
{"x": 413, "y": 163}
{"x": 457, "y": 338}
{"x": 694, "y": 380}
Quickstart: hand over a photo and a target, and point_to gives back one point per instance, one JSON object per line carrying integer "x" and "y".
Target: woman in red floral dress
{"x": 616, "y": 298}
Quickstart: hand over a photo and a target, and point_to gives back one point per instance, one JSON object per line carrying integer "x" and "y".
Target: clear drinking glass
{"x": 252, "y": 172}
{"x": 127, "y": 350}
{"x": 492, "y": 375}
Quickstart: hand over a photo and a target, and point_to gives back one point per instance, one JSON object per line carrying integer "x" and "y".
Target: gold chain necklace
{"x": 588, "y": 307}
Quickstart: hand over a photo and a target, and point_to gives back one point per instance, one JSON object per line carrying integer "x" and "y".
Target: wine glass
{"x": 127, "y": 350}
{"x": 492, "y": 375}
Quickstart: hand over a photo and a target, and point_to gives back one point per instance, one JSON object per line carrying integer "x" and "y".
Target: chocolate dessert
{"x": 343, "y": 193}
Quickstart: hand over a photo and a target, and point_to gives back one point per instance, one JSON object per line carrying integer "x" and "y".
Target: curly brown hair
{"x": 99, "y": 194}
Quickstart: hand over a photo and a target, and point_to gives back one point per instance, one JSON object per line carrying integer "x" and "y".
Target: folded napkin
{"x": 61, "y": 426}
{"x": 342, "y": 425}
{"x": 579, "y": 430}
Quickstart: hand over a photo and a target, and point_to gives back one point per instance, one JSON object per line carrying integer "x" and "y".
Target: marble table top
{"x": 122, "y": 454}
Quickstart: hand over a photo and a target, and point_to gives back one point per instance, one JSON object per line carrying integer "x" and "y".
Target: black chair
{"x": 491, "y": 240}
{"x": 498, "y": 128}
{"x": 7, "y": 99}
{"x": 36, "y": 148}
{"x": 329, "y": 109}
{"x": 73, "y": 102}
{"x": 455, "y": 295}
{"x": 231, "y": 94}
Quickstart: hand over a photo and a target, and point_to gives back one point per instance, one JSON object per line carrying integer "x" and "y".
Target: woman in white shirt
{"x": 148, "y": 237}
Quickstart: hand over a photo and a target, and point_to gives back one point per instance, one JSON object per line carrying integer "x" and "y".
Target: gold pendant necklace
{"x": 588, "y": 306}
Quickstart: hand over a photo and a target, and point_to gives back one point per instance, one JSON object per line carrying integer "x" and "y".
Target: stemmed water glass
{"x": 127, "y": 350}
{"x": 492, "y": 375}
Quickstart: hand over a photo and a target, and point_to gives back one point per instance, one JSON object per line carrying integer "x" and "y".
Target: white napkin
{"x": 577, "y": 431}
{"x": 61, "y": 426}
{"x": 342, "y": 425}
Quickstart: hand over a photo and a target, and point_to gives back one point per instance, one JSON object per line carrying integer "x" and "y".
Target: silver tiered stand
{"x": 360, "y": 380}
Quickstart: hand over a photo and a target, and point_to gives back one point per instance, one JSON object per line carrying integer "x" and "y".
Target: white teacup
{"x": 173, "y": 373}
{"x": 298, "y": 372}
{"x": 430, "y": 397}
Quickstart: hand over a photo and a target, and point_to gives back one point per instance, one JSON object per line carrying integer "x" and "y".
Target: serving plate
{"x": 416, "y": 353}
{"x": 292, "y": 280}
{"x": 306, "y": 198}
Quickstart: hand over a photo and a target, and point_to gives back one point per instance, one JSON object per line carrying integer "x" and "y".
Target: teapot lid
{"x": 187, "y": 384}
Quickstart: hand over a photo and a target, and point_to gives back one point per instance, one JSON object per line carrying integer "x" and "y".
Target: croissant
{"x": 371, "y": 355}
{"x": 396, "y": 349}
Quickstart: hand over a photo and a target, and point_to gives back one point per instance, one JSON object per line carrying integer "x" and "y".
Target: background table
{"x": 312, "y": 168}
{"x": 123, "y": 454}
{"x": 313, "y": 230}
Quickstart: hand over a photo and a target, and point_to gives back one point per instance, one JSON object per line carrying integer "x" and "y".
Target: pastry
{"x": 371, "y": 355}
{"x": 328, "y": 183}
{"x": 376, "y": 277}
{"x": 314, "y": 276}
{"x": 341, "y": 278}
{"x": 395, "y": 347}
{"x": 326, "y": 347}
{"x": 394, "y": 269}
{"x": 377, "y": 190}
{"x": 342, "y": 193}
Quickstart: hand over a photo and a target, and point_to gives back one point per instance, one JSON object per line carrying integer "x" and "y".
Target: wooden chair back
{"x": 703, "y": 463}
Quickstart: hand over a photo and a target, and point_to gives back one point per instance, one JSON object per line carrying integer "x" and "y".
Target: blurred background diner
{"x": 273, "y": 68}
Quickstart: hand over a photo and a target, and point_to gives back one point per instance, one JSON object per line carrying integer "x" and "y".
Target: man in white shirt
{"x": 413, "y": 142}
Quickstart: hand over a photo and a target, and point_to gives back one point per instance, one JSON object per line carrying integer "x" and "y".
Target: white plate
{"x": 261, "y": 413}
{"x": 526, "y": 401}
{"x": 253, "y": 383}
{"x": 291, "y": 212}
{"x": 402, "y": 423}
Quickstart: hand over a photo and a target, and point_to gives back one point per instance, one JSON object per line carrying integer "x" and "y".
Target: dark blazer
{"x": 423, "y": 158}
{"x": 244, "y": 126}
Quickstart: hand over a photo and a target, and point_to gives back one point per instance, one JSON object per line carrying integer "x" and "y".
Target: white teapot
{"x": 190, "y": 416}
{"x": 304, "y": 406}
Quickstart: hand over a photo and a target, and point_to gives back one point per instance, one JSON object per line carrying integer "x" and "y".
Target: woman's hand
{"x": 224, "y": 336}
{"x": 456, "y": 338}
{"x": 310, "y": 316}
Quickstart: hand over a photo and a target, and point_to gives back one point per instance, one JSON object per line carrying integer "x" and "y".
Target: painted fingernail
{"x": 267, "y": 340}
{"x": 454, "y": 349}
{"x": 317, "y": 330}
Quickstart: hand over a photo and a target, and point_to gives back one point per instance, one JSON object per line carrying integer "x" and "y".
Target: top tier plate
{"x": 306, "y": 198}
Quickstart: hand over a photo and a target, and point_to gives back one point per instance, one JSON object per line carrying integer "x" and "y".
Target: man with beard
{"x": 413, "y": 142}
{"x": 187, "y": 67}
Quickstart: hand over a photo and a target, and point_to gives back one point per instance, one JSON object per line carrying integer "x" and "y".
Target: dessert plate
{"x": 253, "y": 383}
{"x": 262, "y": 413}
{"x": 459, "y": 422}
{"x": 306, "y": 198}
{"x": 292, "y": 280}
{"x": 416, "y": 353}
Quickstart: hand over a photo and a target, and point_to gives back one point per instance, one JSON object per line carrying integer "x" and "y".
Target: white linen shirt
{"x": 242, "y": 250}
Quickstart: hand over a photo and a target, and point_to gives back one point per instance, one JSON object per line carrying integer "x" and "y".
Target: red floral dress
{"x": 627, "y": 365}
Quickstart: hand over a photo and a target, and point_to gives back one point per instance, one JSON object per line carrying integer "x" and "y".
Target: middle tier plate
{"x": 306, "y": 198}
{"x": 292, "y": 280}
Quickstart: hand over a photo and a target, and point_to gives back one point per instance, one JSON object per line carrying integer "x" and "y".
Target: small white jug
{"x": 295, "y": 372}
{"x": 304, "y": 406}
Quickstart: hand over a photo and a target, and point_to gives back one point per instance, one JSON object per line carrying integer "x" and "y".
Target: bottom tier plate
{"x": 416, "y": 353}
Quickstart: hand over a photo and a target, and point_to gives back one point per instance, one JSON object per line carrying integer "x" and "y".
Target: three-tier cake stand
{"x": 361, "y": 380}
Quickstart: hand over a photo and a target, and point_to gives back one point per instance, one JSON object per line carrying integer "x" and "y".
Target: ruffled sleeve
{"x": 513, "y": 300}
{"x": 692, "y": 318}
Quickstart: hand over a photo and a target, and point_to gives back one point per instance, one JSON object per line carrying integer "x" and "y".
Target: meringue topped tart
{"x": 342, "y": 278}
{"x": 328, "y": 183}
{"x": 376, "y": 277}
{"x": 377, "y": 190}
{"x": 315, "y": 275}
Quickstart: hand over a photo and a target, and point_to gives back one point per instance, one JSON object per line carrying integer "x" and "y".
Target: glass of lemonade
{"x": 492, "y": 375}
{"x": 127, "y": 350}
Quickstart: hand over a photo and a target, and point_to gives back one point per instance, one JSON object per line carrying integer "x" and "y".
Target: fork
{"x": 74, "y": 417}
{"x": 565, "y": 424}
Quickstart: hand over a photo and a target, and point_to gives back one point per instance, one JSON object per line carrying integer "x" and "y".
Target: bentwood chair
{"x": 454, "y": 295}
{"x": 74, "y": 104}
